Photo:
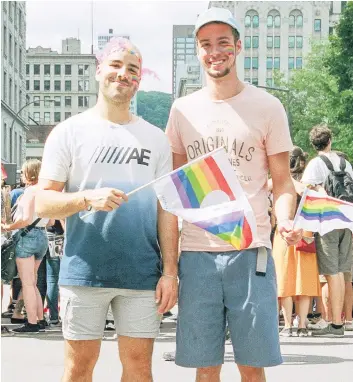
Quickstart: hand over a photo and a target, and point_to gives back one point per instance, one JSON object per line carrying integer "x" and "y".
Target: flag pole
{"x": 302, "y": 200}
{"x": 164, "y": 176}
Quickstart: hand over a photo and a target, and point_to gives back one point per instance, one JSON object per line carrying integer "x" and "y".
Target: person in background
{"x": 30, "y": 249}
{"x": 296, "y": 270}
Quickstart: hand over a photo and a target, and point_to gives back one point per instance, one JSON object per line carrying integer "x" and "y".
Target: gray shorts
{"x": 84, "y": 310}
{"x": 334, "y": 252}
{"x": 219, "y": 289}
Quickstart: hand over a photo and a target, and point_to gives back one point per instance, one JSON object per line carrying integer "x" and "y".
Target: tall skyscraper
{"x": 13, "y": 92}
{"x": 103, "y": 39}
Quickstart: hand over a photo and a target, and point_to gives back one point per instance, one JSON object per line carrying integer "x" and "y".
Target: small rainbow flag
{"x": 232, "y": 228}
{"x": 322, "y": 213}
{"x": 196, "y": 181}
{"x": 207, "y": 193}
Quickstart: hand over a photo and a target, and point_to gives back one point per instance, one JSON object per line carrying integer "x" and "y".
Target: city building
{"x": 58, "y": 85}
{"x": 278, "y": 35}
{"x": 189, "y": 77}
{"x": 184, "y": 52}
{"x": 13, "y": 89}
{"x": 103, "y": 39}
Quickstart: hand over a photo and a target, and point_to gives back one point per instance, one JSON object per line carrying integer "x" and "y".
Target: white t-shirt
{"x": 316, "y": 171}
{"x": 118, "y": 249}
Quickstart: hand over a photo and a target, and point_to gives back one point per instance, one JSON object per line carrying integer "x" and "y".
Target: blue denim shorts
{"x": 219, "y": 289}
{"x": 35, "y": 243}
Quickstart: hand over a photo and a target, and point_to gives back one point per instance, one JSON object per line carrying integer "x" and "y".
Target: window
{"x": 68, "y": 86}
{"x": 247, "y": 42}
{"x": 20, "y": 59}
{"x": 269, "y": 63}
{"x": 36, "y": 69}
{"x": 299, "y": 21}
{"x": 67, "y": 100}
{"x": 255, "y": 63}
{"x": 277, "y": 21}
{"x": 269, "y": 21}
{"x": 67, "y": 114}
{"x": 290, "y": 62}
{"x": 317, "y": 25}
{"x": 4, "y": 135}
{"x": 255, "y": 81}
{"x": 15, "y": 54}
{"x": 57, "y": 85}
{"x": 47, "y": 117}
{"x": 180, "y": 50}
{"x": 46, "y": 85}
{"x": 36, "y": 116}
{"x": 255, "y": 21}
{"x": 15, "y": 147}
{"x": 276, "y": 63}
{"x": 83, "y": 101}
{"x": 68, "y": 70}
{"x": 57, "y": 101}
{"x": 247, "y": 63}
{"x": 86, "y": 85}
{"x": 20, "y": 20}
{"x": 10, "y": 91}
{"x": 277, "y": 41}
{"x": 80, "y": 70}
{"x": 190, "y": 51}
{"x": 180, "y": 57}
{"x": 180, "y": 39}
{"x": 11, "y": 137}
{"x": 27, "y": 85}
{"x": 10, "y": 47}
{"x": 4, "y": 40}
{"x": 15, "y": 96}
{"x": 269, "y": 42}
{"x": 299, "y": 63}
{"x": 291, "y": 41}
{"x": 299, "y": 42}
{"x": 36, "y": 101}
{"x": 46, "y": 69}
{"x": 57, "y": 69}
{"x": 255, "y": 42}
{"x": 27, "y": 68}
{"x": 247, "y": 21}
{"x": 5, "y": 86}
{"x": 269, "y": 82}
{"x": 20, "y": 157}
{"x": 46, "y": 101}
{"x": 57, "y": 116}
{"x": 291, "y": 21}
{"x": 80, "y": 85}
{"x": 20, "y": 99}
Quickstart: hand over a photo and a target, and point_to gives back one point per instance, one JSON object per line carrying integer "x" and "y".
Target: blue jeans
{"x": 53, "y": 268}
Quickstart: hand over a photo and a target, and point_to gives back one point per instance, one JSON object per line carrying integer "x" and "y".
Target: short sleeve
{"x": 278, "y": 138}
{"x": 165, "y": 163}
{"x": 57, "y": 155}
{"x": 173, "y": 132}
{"x": 312, "y": 173}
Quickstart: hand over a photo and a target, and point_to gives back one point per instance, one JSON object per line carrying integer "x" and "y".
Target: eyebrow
{"x": 120, "y": 62}
{"x": 219, "y": 38}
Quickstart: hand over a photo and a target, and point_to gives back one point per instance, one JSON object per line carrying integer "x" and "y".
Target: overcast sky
{"x": 149, "y": 23}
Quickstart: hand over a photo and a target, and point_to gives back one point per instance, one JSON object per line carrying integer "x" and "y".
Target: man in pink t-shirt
{"x": 217, "y": 283}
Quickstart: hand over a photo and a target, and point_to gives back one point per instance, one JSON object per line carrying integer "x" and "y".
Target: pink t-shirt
{"x": 251, "y": 125}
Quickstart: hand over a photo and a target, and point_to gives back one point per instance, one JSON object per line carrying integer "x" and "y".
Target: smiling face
{"x": 217, "y": 49}
{"x": 119, "y": 74}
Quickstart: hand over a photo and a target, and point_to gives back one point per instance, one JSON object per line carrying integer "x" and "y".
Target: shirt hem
{"x": 106, "y": 284}
{"x": 222, "y": 249}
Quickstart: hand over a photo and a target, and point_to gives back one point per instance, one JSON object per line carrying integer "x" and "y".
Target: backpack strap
{"x": 327, "y": 162}
{"x": 342, "y": 164}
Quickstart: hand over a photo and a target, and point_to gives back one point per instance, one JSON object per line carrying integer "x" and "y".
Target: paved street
{"x": 305, "y": 359}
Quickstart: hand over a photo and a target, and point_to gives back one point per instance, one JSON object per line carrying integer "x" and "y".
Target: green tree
{"x": 154, "y": 107}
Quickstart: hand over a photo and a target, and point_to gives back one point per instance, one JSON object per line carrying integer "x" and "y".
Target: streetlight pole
{"x": 17, "y": 114}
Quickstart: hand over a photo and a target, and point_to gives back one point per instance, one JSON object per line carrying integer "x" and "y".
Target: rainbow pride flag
{"x": 322, "y": 213}
{"x": 207, "y": 193}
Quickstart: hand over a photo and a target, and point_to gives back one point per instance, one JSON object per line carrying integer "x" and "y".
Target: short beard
{"x": 220, "y": 74}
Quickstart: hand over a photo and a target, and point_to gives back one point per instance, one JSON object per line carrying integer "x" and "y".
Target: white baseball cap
{"x": 214, "y": 14}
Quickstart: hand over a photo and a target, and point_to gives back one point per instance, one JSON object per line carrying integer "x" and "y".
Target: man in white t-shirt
{"x": 334, "y": 250}
{"x": 112, "y": 256}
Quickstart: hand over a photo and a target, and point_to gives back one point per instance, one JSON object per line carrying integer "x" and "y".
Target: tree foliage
{"x": 154, "y": 107}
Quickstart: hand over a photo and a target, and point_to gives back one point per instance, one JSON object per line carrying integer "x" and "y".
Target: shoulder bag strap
{"x": 30, "y": 227}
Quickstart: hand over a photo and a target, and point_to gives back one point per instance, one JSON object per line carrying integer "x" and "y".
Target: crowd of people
{"x": 124, "y": 255}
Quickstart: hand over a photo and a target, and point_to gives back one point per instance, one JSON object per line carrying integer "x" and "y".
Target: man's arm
{"x": 52, "y": 203}
{"x": 179, "y": 160}
{"x": 284, "y": 196}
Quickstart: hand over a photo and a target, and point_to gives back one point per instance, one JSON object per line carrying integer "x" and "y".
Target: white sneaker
{"x": 348, "y": 326}
{"x": 297, "y": 320}
{"x": 321, "y": 324}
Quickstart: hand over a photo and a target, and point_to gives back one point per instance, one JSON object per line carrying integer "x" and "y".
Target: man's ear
{"x": 238, "y": 47}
